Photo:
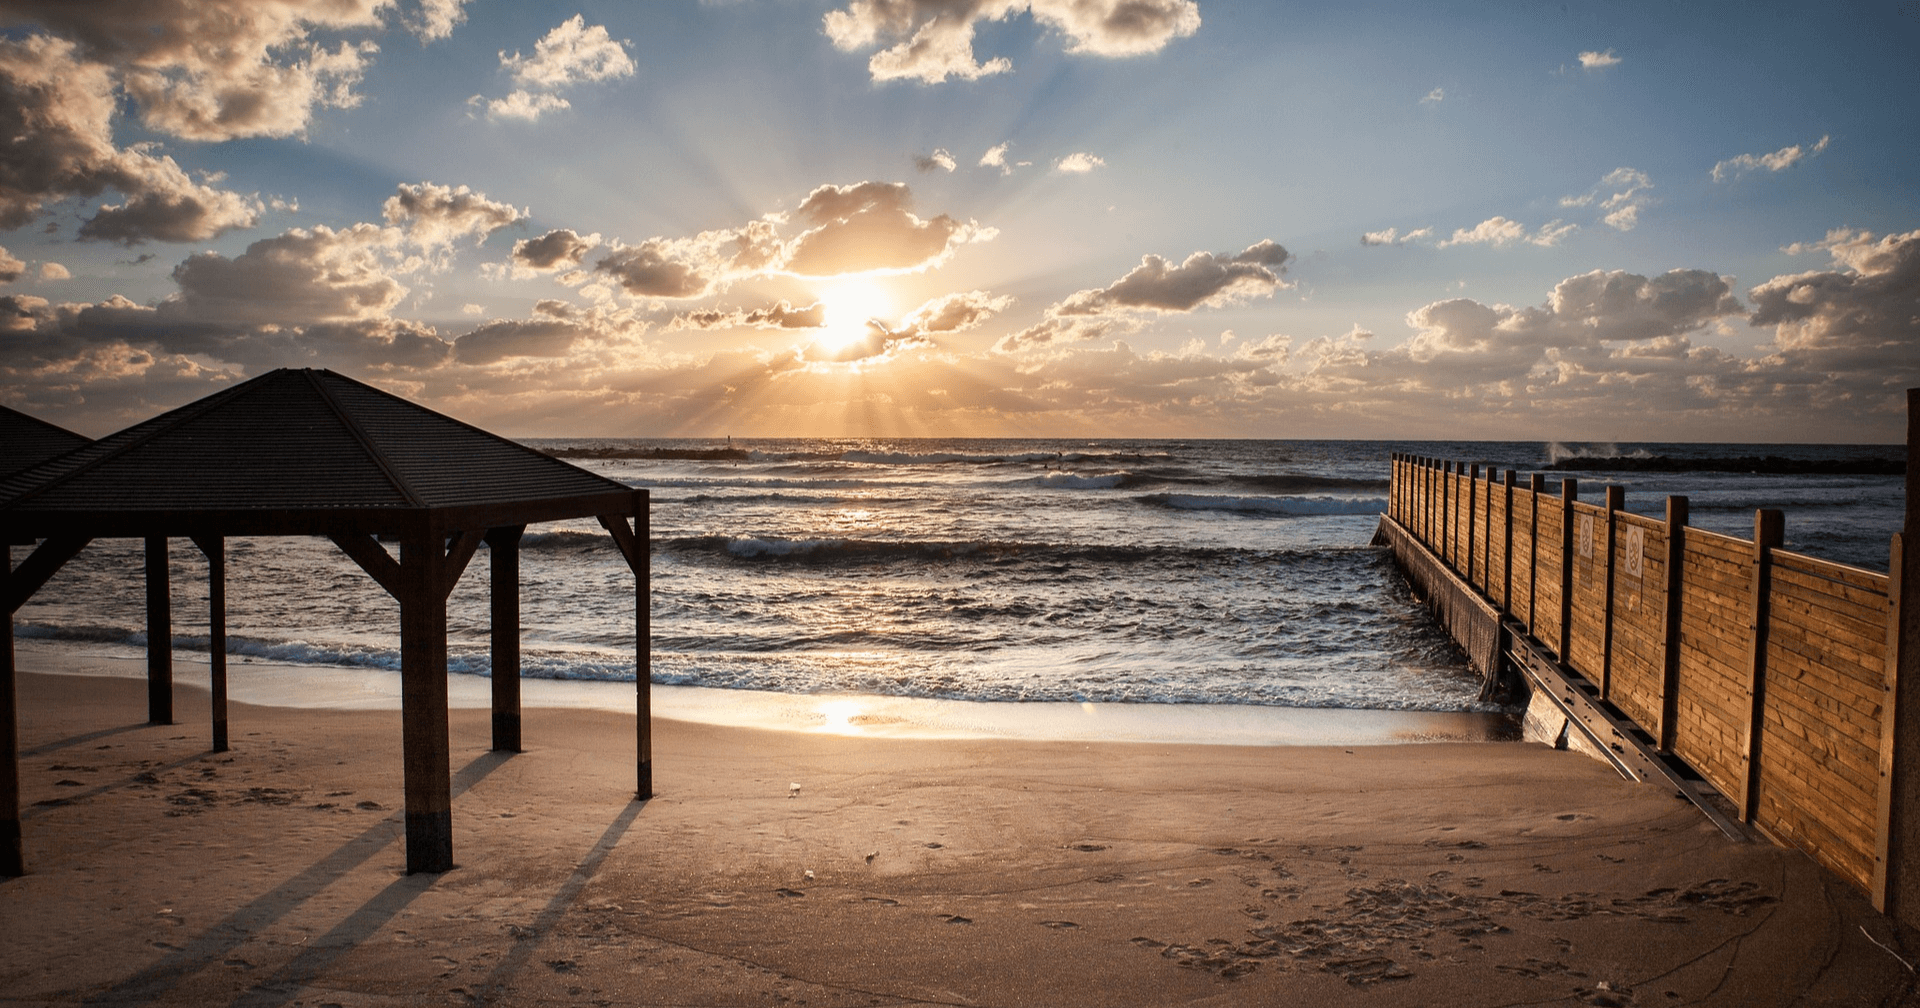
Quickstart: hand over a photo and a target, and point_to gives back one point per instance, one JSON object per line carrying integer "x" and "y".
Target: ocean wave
{"x": 1560, "y": 451}
{"x": 1076, "y": 481}
{"x": 1269, "y": 505}
{"x": 1292, "y": 483}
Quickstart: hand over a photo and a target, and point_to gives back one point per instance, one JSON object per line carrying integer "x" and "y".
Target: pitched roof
{"x": 302, "y": 450}
{"x": 29, "y": 441}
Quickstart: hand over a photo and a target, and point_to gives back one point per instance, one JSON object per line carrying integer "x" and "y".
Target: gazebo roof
{"x": 300, "y": 451}
{"x": 30, "y": 441}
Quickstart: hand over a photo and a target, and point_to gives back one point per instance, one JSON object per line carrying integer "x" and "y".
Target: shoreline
{"x": 290, "y": 685}
{"x": 900, "y": 871}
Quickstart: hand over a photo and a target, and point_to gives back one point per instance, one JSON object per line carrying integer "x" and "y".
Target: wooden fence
{"x": 1772, "y": 675}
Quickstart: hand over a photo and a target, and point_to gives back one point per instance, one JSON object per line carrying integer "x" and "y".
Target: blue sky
{"x": 974, "y": 217}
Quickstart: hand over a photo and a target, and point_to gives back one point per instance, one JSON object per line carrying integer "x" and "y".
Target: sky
{"x": 974, "y": 218}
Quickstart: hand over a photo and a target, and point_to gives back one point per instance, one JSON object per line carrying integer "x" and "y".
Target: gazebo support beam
{"x": 19, "y": 586}
{"x": 504, "y": 546}
{"x": 159, "y": 634}
{"x": 423, "y": 706}
{"x": 215, "y": 547}
{"x": 634, "y": 544}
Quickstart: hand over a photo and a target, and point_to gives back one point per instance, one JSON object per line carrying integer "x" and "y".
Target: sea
{"x": 1192, "y": 573}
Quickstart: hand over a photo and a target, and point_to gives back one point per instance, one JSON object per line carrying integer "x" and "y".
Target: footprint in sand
{"x": 956, "y": 919}
{"x": 1199, "y": 882}
{"x": 1108, "y": 878}
{"x": 1088, "y": 848}
{"x": 1059, "y": 925}
{"x": 785, "y": 892}
{"x": 880, "y": 900}
{"x": 1148, "y": 943}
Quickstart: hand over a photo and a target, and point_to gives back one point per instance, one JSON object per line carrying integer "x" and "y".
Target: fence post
{"x": 1473, "y": 522}
{"x": 1569, "y": 492}
{"x": 1446, "y": 513}
{"x": 1537, "y": 486}
{"x": 1616, "y": 502}
{"x": 1896, "y": 876}
{"x": 1670, "y": 622}
{"x": 1769, "y": 531}
{"x": 1506, "y": 552}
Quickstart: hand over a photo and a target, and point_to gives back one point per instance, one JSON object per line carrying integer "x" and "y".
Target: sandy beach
{"x": 787, "y": 867}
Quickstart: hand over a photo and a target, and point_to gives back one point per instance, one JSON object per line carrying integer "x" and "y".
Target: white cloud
{"x": 996, "y": 157}
{"x": 54, "y": 271}
{"x": 11, "y": 266}
{"x": 1780, "y": 160}
{"x": 1392, "y": 236}
{"x": 1501, "y": 231}
{"x": 1621, "y": 193}
{"x": 939, "y": 160}
{"x": 870, "y": 226}
{"x": 435, "y": 216}
{"x": 1156, "y": 286}
{"x": 1596, "y": 60}
{"x": 932, "y": 40}
{"x": 436, "y": 19}
{"x": 572, "y": 53}
{"x": 1434, "y": 97}
{"x": 1078, "y": 163}
{"x": 780, "y": 315}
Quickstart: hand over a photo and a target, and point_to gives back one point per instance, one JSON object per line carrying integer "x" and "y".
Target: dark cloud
{"x": 932, "y": 40}
{"x": 1204, "y": 279}
{"x": 11, "y": 268}
{"x": 778, "y": 316}
{"x": 555, "y": 250}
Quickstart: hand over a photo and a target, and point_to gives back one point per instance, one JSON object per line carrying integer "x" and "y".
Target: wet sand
{"x": 900, "y": 871}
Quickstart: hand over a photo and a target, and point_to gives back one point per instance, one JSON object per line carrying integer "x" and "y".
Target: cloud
{"x": 11, "y": 267}
{"x": 1079, "y": 163}
{"x": 1500, "y": 231}
{"x": 1597, "y": 60}
{"x": 556, "y": 250}
{"x": 297, "y": 277}
{"x": 435, "y": 216}
{"x": 1434, "y": 97}
{"x": 939, "y": 160}
{"x": 996, "y": 157}
{"x": 58, "y": 111}
{"x": 436, "y": 18}
{"x": 1860, "y": 318}
{"x": 572, "y": 53}
{"x": 932, "y": 40}
{"x": 682, "y": 268}
{"x": 1392, "y": 236}
{"x": 54, "y": 271}
{"x": 870, "y": 227}
{"x": 1621, "y": 193}
{"x": 781, "y": 315}
{"x": 1780, "y": 160}
{"x": 954, "y": 312}
{"x": 213, "y": 70}
{"x": 1156, "y": 286}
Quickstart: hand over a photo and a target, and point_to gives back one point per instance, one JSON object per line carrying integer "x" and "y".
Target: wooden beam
{"x": 1616, "y": 503}
{"x": 43, "y": 563}
{"x": 427, "y": 771}
{"x": 1900, "y": 746}
{"x": 1769, "y": 531}
{"x": 215, "y": 547}
{"x": 1670, "y": 622}
{"x": 1537, "y": 488}
{"x": 12, "y": 859}
{"x": 1569, "y": 492}
{"x": 504, "y": 546}
{"x": 1506, "y": 576}
{"x": 374, "y": 559}
{"x": 642, "y": 561}
{"x": 159, "y": 634}
{"x": 1473, "y": 518}
{"x": 459, "y": 553}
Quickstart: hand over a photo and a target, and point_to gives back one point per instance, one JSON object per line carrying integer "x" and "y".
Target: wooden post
{"x": 1473, "y": 521}
{"x": 1616, "y": 502}
{"x": 1537, "y": 486}
{"x": 423, "y": 702}
{"x": 1670, "y": 622}
{"x": 1569, "y": 492}
{"x": 1769, "y": 531}
{"x": 12, "y": 861}
{"x": 1486, "y": 533}
{"x": 643, "y": 644}
{"x": 1506, "y": 552}
{"x": 503, "y": 545}
{"x": 1896, "y": 876}
{"x": 159, "y": 634}
{"x": 215, "y": 547}
{"x": 1446, "y": 513}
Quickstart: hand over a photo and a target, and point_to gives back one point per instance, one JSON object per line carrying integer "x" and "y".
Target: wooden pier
{"x": 1777, "y": 691}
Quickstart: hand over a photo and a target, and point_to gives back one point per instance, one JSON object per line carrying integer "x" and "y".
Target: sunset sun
{"x": 852, "y": 307}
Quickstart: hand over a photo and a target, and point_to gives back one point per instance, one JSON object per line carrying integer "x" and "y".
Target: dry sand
{"x": 983, "y": 872}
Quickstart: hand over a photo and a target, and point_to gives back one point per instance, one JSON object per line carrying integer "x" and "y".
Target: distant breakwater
{"x": 1773, "y": 464}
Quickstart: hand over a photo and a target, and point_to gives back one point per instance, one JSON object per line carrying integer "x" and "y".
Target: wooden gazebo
{"x": 312, "y": 452}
